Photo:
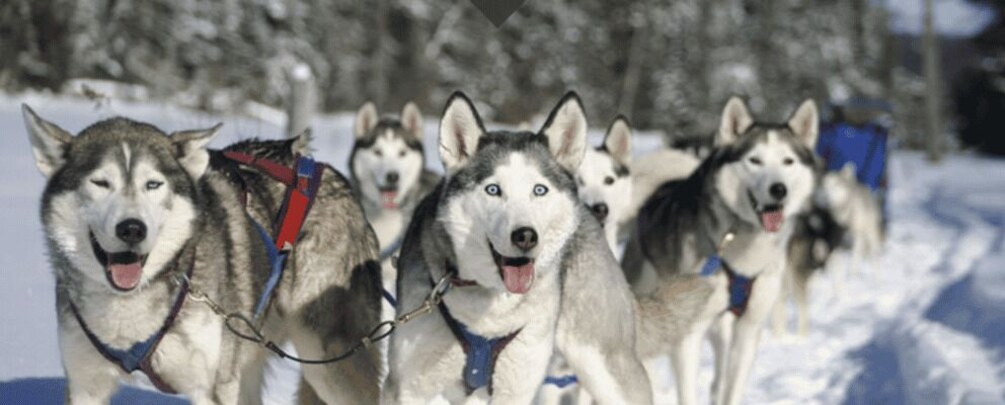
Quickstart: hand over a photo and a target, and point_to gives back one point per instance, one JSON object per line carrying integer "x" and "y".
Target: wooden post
{"x": 302, "y": 103}
{"x": 933, "y": 89}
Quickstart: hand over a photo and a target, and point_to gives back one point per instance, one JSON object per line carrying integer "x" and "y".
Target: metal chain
{"x": 245, "y": 328}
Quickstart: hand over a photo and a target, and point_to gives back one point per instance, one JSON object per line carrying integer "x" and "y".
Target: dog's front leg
{"x": 747, "y": 335}
{"x": 521, "y": 367}
{"x": 684, "y": 357}
{"x": 90, "y": 379}
{"x": 721, "y": 334}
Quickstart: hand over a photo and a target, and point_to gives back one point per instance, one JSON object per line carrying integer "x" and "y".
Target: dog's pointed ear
{"x": 736, "y": 120}
{"x": 805, "y": 123}
{"x": 411, "y": 120}
{"x": 366, "y": 120}
{"x": 460, "y": 130}
{"x": 190, "y": 149}
{"x": 48, "y": 142}
{"x": 848, "y": 171}
{"x": 618, "y": 140}
{"x": 302, "y": 142}
{"x": 565, "y": 130}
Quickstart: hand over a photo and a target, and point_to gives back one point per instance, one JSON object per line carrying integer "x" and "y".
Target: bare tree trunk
{"x": 302, "y": 101}
{"x": 633, "y": 69}
{"x": 378, "y": 76}
{"x": 933, "y": 91}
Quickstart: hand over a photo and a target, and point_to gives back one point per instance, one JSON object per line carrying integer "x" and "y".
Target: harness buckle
{"x": 441, "y": 287}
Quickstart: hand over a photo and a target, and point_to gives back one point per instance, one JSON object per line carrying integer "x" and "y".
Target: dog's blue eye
{"x": 101, "y": 183}
{"x": 493, "y": 189}
{"x": 153, "y": 184}
{"x": 608, "y": 180}
{"x": 755, "y": 161}
{"x": 540, "y": 190}
{"x": 788, "y": 161}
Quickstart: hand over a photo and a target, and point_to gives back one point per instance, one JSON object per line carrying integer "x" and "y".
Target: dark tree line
{"x": 980, "y": 92}
{"x": 667, "y": 64}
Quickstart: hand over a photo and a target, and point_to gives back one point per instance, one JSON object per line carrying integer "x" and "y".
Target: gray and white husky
{"x": 530, "y": 271}
{"x": 757, "y": 177}
{"x": 135, "y": 217}
{"x": 605, "y": 182}
{"x": 389, "y": 172}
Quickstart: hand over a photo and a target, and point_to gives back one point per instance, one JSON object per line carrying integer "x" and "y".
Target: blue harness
{"x": 480, "y": 352}
{"x": 137, "y": 357}
{"x": 739, "y": 285}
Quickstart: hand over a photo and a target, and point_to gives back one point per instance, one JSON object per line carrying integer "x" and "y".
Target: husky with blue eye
{"x": 530, "y": 272}
{"x": 136, "y": 219}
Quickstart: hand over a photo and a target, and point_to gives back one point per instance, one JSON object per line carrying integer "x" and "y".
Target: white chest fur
{"x": 387, "y": 224}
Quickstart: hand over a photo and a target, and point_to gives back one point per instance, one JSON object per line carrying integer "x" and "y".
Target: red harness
{"x": 299, "y": 198}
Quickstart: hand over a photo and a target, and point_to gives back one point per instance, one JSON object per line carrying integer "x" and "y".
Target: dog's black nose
{"x": 524, "y": 238}
{"x": 778, "y": 191}
{"x": 392, "y": 178}
{"x": 599, "y": 211}
{"x": 131, "y": 231}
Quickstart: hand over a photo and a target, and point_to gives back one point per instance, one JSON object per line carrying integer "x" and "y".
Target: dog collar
{"x": 457, "y": 281}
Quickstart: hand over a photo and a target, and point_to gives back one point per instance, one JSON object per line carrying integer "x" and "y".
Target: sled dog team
{"x": 184, "y": 264}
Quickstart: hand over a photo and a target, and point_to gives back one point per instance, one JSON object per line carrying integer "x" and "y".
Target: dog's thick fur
{"x": 332, "y": 279}
{"x": 756, "y": 178}
{"x": 120, "y": 169}
{"x": 577, "y": 300}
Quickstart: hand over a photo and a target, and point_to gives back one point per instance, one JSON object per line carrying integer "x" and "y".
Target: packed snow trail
{"x": 922, "y": 323}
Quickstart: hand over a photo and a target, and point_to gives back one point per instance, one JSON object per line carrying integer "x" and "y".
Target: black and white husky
{"x": 530, "y": 272}
{"x": 730, "y": 221}
{"x": 135, "y": 218}
{"x": 389, "y": 172}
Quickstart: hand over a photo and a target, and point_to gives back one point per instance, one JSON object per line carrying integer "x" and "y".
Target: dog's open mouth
{"x": 517, "y": 272}
{"x": 772, "y": 216}
{"x": 389, "y": 197}
{"x": 123, "y": 269}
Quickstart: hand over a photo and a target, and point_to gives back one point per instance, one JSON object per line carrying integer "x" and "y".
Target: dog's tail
{"x": 651, "y": 171}
{"x": 669, "y": 313}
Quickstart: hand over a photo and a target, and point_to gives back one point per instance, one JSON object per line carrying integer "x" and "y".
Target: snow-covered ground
{"x": 923, "y": 323}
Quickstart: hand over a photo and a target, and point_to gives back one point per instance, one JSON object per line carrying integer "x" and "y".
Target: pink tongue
{"x": 126, "y": 276}
{"x": 518, "y": 279}
{"x": 387, "y": 197}
{"x": 772, "y": 221}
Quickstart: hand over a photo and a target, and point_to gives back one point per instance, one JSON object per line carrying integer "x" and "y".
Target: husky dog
{"x": 755, "y": 180}
{"x": 388, "y": 170}
{"x": 605, "y": 184}
{"x": 529, "y": 269}
{"x": 134, "y": 218}
{"x": 855, "y": 208}
{"x": 815, "y": 236}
